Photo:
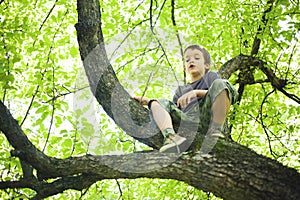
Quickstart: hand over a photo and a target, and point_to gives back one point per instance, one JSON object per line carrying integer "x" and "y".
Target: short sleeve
{"x": 212, "y": 76}
{"x": 177, "y": 95}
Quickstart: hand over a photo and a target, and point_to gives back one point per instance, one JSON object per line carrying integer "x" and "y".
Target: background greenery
{"x": 42, "y": 82}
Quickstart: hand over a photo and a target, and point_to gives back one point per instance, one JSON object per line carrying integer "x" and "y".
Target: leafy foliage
{"x": 42, "y": 83}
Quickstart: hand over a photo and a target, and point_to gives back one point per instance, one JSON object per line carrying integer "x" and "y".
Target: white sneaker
{"x": 210, "y": 140}
{"x": 172, "y": 144}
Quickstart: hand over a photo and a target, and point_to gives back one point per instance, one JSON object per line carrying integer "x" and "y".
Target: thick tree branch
{"x": 45, "y": 189}
{"x": 222, "y": 172}
{"x": 229, "y": 172}
{"x": 103, "y": 81}
{"x": 243, "y": 61}
{"x": 16, "y": 137}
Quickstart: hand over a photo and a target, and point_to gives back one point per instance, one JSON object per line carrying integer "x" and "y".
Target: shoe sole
{"x": 174, "y": 148}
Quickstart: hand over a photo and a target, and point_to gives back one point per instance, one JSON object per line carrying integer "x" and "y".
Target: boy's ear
{"x": 207, "y": 66}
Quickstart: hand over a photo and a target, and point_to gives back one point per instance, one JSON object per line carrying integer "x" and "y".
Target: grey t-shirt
{"x": 202, "y": 84}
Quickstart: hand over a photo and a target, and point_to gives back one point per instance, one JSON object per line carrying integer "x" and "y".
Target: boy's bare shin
{"x": 161, "y": 116}
{"x": 220, "y": 107}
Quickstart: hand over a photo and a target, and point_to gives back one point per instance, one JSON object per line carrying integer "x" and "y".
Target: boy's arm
{"x": 185, "y": 99}
{"x": 200, "y": 93}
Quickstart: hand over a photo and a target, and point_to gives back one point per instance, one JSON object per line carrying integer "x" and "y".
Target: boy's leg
{"x": 221, "y": 94}
{"x": 220, "y": 108}
{"x": 161, "y": 116}
{"x": 218, "y": 99}
{"x": 164, "y": 123}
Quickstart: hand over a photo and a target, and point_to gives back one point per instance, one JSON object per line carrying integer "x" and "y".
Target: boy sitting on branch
{"x": 207, "y": 96}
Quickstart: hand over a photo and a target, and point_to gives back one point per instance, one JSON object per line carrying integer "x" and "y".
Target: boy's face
{"x": 195, "y": 63}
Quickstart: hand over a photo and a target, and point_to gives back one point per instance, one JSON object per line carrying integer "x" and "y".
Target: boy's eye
{"x": 187, "y": 60}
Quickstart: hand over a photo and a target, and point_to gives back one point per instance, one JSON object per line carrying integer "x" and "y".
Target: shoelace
{"x": 177, "y": 147}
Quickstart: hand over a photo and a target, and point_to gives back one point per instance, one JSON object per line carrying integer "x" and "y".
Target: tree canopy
{"x": 67, "y": 119}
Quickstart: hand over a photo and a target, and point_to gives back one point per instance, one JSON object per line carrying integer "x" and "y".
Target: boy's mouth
{"x": 191, "y": 66}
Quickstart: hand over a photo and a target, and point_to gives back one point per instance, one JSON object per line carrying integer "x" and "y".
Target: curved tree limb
{"x": 231, "y": 171}
{"x": 244, "y": 61}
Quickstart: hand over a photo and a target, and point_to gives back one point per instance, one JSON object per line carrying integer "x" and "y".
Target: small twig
{"x": 46, "y": 18}
{"x": 136, "y": 57}
{"x": 125, "y": 38}
{"x": 52, "y": 112}
{"x": 263, "y": 125}
{"x": 65, "y": 94}
{"x": 150, "y": 76}
{"x": 160, "y": 11}
{"x": 151, "y": 15}
{"x": 120, "y": 189}
{"x": 178, "y": 37}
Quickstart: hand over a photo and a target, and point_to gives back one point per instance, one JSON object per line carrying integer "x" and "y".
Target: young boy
{"x": 205, "y": 90}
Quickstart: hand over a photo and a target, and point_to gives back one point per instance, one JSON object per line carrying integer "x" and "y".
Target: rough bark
{"x": 230, "y": 171}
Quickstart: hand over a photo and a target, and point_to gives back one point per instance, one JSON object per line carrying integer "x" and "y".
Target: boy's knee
{"x": 219, "y": 86}
{"x": 219, "y": 83}
{"x": 219, "y": 89}
{"x": 153, "y": 103}
{"x": 222, "y": 85}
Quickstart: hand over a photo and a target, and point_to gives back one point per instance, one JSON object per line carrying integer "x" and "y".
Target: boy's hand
{"x": 143, "y": 100}
{"x": 185, "y": 99}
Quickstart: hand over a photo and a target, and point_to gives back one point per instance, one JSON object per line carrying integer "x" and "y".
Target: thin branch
{"x": 291, "y": 55}
{"x": 48, "y": 15}
{"x": 32, "y": 99}
{"x": 135, "y": 9}
{"x": 50, "y": 126}
{"x": 84, "y": 192}
{"x": 276, "y": 82}
{"x": 74, "y": 140}
{"x": 37, "y": 88}
{"x": 262, "y": 122}
{"x": 241, "y": 61}
{"x": 53, "y": 85}
{"x": 65, "y": 94}
{"x": 120, "y": 189}
{"x": 165, "y": 54}
{"x": 151, "y": 75}
{"x": 125, "y": 38}
{"x": 160, "y": 11}
{"x": 136, "y": 57}
{"x": 46, "y": 18}
{"x": 257, "y": 40}
{"x": 151, "y": 15}
{"x": 8, "y": 72}
{"x": 178, "y": 37}
{"x": 42, "y": 73}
